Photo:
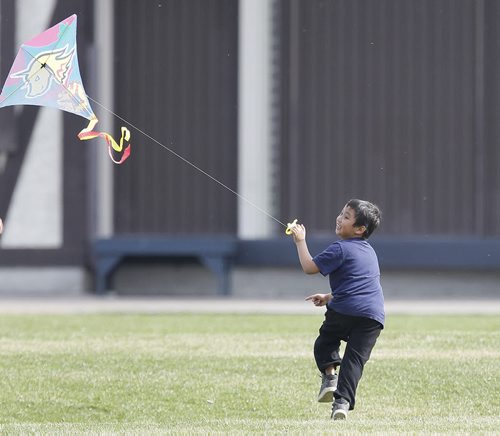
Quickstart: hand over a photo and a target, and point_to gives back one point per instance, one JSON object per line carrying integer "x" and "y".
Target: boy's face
{"x": 344, "y": 225}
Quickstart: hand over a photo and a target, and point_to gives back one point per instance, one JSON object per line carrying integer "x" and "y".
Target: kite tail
{"x": 89, "y": 133}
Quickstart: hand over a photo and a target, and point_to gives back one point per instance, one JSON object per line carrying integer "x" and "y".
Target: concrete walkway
{"x": 153, "y": 305}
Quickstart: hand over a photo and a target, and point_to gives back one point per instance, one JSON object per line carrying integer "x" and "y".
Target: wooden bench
{"x": 216, "y": 253}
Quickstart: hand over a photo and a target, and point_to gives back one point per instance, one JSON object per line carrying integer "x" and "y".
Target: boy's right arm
{"x": 305, "y": 258}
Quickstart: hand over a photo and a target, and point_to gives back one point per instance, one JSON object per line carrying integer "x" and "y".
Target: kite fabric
{"x": 45, "y": 72}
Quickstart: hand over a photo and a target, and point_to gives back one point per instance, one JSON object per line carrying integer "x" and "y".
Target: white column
{"x": 254, "y": 120}
{"x": 104, "y": 29}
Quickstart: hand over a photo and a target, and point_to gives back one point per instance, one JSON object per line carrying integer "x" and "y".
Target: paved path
{"x": 114, "y": 304}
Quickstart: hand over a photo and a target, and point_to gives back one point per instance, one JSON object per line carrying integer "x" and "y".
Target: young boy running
{"x": 355, "y": 306}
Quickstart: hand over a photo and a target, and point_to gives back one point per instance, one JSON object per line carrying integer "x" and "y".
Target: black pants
{"x": 360, "y": 334}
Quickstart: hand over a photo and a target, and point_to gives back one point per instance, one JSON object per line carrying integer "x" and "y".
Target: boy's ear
{"x": 360, "y": 230}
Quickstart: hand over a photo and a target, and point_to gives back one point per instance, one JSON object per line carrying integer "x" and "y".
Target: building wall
{"x": 391, "y": 101}
{"x": 43, "y": 179}
{"x": 176, "y": 80}
{"x": 492, "y": 109}
{"x": 43, "y": 167}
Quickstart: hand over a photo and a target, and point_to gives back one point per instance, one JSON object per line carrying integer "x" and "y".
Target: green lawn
{"x": 240, "y": 374}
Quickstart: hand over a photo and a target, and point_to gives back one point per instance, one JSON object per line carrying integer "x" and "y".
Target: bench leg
{"x": 222, "y": 269}
{"x": 104, "y": 267}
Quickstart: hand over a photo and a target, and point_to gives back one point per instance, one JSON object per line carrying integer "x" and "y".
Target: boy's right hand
{"x": 319, "y": 299}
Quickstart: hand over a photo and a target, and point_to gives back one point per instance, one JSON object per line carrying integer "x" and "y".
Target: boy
{"x": 355, "y": 306}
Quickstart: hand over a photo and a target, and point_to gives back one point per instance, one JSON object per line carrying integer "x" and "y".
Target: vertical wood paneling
{"x": 492, "y": 114}
{"x": 177, "y": 81}
{"x": 382, "y": 104}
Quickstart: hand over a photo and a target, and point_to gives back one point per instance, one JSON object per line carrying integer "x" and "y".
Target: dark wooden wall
{"x": 491, "y": 201}
{"x": 394, "y": 101}
{"x": 176, "y": 79}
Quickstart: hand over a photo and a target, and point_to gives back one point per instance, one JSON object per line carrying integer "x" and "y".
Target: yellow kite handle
{"x": 290, "y": 226}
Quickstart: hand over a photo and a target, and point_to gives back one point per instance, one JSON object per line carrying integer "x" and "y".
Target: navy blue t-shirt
{"x": 352, "y": 266}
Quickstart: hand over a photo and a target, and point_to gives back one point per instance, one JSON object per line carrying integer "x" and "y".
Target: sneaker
{"x": 328, "y": 386}
{"x": 340, "y": 409}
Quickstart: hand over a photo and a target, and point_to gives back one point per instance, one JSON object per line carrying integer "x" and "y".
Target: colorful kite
{"x": 46, "y": 73}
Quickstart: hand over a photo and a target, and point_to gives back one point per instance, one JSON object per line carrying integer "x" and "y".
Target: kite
{"x": 45, "y": 72}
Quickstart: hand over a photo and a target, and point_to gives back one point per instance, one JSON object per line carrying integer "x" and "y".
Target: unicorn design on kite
{"x": 45, "y": 69}
{"x": 45, "y": 72}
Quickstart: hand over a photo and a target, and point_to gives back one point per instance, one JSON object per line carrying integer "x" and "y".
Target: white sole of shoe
{"x": 339, "y": 415}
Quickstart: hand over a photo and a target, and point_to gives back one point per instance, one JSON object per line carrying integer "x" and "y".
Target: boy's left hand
{"x": 299, "y": 232}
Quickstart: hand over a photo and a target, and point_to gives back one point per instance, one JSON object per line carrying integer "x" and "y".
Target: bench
{"x": 216, "y": 253}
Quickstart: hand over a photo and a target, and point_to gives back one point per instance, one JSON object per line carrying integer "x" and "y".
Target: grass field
{"x": 239, "y": 374}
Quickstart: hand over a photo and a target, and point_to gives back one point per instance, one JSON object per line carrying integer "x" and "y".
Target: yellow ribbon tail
{"x": 122, "y": 147}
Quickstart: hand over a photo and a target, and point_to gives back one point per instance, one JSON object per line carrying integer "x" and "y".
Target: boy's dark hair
{"x": 367, "y": 214}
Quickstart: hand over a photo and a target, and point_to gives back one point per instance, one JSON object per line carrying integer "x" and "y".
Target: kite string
{"x": 42, "y": 65}
{"x": 190, "y": 163}
{"x": 159, "y": 143}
